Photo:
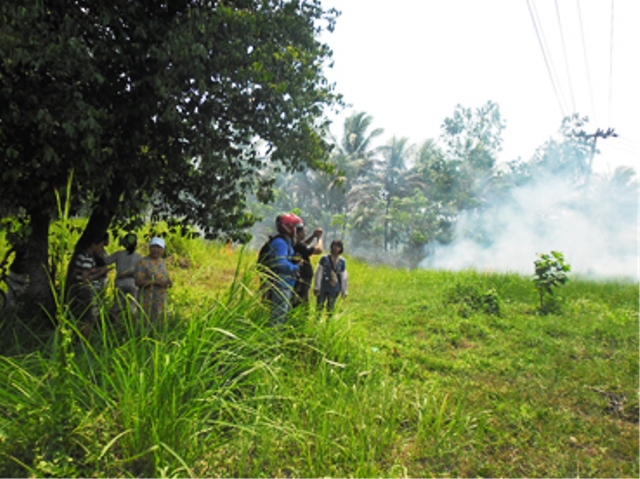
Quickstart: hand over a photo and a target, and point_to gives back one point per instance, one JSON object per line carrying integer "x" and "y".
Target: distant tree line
{"x": 400, "y": 200}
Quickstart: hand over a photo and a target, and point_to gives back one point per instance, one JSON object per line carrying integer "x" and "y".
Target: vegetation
{"x": 420, "y": 373}
{"x": 169, "y": 109}
{"x": 186, "y": 119}
{"x": 550, "y": 272}
{"x": 402, "y": 201}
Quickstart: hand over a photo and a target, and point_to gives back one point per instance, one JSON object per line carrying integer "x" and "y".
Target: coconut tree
{"x": 388, "y": 179}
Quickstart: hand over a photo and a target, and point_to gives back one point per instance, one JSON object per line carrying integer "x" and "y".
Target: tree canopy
{"x": 175, "y": 104}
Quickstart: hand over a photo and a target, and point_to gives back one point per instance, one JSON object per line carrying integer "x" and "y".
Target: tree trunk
{"x": 36, "y": 262}
{"x": 99, "y": 221}
{"x": 386, "y": 224}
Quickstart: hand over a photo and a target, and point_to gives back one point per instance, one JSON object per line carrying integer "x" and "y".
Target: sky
{"x": 408, "y": 63}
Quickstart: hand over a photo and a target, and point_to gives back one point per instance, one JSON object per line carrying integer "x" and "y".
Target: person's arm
{"x": 144, "y": 279}
{"x": 102, "y": 270}
{"x": 97, "y": 273}
{"x": 86, "y": 269}
{"x": 111, "y": 258}
{"x": 167, "y": 283}
{"x": 139, "y": 275}
{"x": 317, "y": 235}
{"x": 318, "y": 278}
{"x": 319, "y": 246}
{"x": 283, "y": 263}
{"x": 344, "y": 279}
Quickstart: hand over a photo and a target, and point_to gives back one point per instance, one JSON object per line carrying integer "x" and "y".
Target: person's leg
{"x": 322, "y": 299}
{"x": 304, "y": 292}
{"x": 301, "y": 295}
{"x": 281, "y": 304}
{"x": 331, "y": 302}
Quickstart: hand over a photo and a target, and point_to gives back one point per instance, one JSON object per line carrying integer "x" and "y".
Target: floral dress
{"x": 153, "y": 298}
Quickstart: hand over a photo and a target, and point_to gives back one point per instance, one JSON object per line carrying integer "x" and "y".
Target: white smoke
{"x": 595, "y": 228}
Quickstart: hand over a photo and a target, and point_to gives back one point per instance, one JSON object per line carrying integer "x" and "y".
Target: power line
{"x": 586, "y": 63}
{"x": 611, "y": 66}
{"x": 547, "y": 61}
{"x": 566, "y": 60}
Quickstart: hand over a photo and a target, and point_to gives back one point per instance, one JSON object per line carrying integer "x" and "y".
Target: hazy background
{"x": 408, "y": 63}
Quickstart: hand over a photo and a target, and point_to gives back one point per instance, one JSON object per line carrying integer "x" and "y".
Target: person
{"x": 331, "y": 278}
{"x": 84, "y": 282}
{"x": 126, "y": 261}
{"x": 152, "y": 278}
{"x": 101, "y": 259}
{"x": 304, "y": 250}
{"x": 285, "y": 269}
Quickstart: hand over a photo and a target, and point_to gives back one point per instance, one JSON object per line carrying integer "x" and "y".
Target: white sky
{"x": 408, "y": 63}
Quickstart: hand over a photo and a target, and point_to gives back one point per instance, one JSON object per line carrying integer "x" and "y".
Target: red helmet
{"x": 287, "y": 223}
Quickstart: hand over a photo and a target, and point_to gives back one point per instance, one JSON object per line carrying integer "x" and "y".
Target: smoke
{"x": 596, "y": 228}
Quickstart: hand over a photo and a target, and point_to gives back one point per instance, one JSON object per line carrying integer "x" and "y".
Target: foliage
{"x": 168, "y": 104}
{"x": 471, "y": 300}
{"x": 167, "y": 110}
{"x": 550, "y": 272}
{"x": 372, "y": 191}
{"x": 397, "y": 384}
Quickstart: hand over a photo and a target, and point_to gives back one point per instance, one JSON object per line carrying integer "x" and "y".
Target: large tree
{"x": 473, "y": 139}
{"x": 181, "y": 102}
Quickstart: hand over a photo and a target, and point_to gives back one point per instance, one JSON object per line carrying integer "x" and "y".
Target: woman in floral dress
{"x": 152, "y": 277}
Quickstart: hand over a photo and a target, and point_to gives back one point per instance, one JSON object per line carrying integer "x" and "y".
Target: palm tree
{"x": 387, "y": 180}
{"x": 353, "y": 157}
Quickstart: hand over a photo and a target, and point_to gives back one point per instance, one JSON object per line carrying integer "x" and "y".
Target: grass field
{"x": 419, "y": 374}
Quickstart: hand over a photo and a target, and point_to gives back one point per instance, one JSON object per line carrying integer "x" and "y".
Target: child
{"x": 331, "y": 277}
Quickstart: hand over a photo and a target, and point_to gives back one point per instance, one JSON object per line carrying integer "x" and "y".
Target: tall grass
{"x": 413, "y": 376}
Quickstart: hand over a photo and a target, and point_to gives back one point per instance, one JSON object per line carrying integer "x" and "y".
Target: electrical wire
{"x": 547, "y": 50}
{"x": 586, "y": 64}
{"x": 611, "y": 65}
{"x": 547, "y": 60}
{"x": 566, "y": 59}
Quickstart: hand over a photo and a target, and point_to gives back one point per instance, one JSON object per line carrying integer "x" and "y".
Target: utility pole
{"x": 594, "y": 136}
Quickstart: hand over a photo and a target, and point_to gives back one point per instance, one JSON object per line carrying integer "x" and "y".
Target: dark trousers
{"x": 301, "y": 293}
{"x": 329, "y": 298}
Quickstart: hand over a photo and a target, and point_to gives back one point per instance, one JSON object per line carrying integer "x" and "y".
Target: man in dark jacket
{"x": 304, "y": 249}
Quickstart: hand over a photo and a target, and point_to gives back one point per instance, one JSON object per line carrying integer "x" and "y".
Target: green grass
{"x": 420, "y": 373}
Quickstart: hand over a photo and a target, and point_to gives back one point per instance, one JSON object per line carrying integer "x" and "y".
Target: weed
{"x": 471, "y": 300}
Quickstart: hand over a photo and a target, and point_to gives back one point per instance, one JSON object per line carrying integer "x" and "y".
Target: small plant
{"x": 550, "y": 272}
{"x": 472, "y": 300}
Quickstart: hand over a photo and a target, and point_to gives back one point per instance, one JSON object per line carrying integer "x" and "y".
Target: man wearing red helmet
{"x": 284, "y": 268}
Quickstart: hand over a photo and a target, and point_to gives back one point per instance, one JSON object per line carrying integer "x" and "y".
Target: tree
{"x": 473, "y": 139}
{"x": 354, "y": 157}
{"x": 326, "y": 195}
{"x": 172, "y": 101}
{"x": 388, "y": 178}
{"x": 569, "y": 156}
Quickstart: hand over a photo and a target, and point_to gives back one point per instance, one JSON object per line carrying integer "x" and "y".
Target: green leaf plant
{"x": 550, "y": 272}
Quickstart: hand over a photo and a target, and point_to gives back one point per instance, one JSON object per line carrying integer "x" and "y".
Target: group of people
{"x": 139, "y": 280}
{"x": 145, "y": 281}
{"x": 291, "y": 272}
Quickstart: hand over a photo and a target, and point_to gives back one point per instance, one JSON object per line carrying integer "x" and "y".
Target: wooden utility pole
{"x": 594, "y": 136}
